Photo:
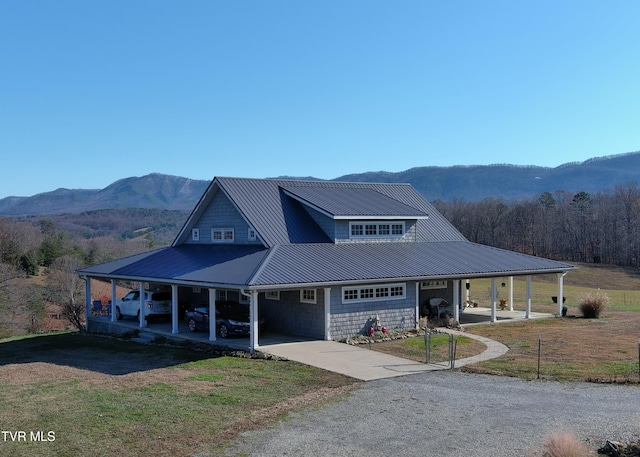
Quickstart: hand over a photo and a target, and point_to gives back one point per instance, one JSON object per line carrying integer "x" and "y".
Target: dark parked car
{"x": 232, "y": 318}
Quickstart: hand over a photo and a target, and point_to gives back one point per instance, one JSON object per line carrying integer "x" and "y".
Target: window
{"x": 272, "y": 295}
{"x": 376, "y": 230}
{"x": 222, "y": 295}
{"x": 367, "y": 293}
{"x": 195, "y": 234}
{"x": 222, "y": 235}
{"x": 252, "y": 236}
{"x": 349, "y": 295}
{"x": 308, "y": 295}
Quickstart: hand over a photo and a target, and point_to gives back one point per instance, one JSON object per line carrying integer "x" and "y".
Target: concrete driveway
{"x": 364, "y": 364}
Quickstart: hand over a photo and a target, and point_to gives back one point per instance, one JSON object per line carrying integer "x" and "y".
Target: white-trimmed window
{"x": 272, "y": 295}
{"x": 222, "y": 295}
{"x": 376, "y": 229}
{"x": 307, "y": 295}
{"x": 222, "y": 235}
{"x": 379, "y": 292}
{"x": 195, "y": 234}
{"x": 252, "y": 235}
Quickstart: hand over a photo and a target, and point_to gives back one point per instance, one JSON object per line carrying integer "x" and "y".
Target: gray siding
{"x": 221, "y": 213}
{"x": 353, "y": 319}
{"x": 324, "y": 222}
{"x": 290, "y": 316}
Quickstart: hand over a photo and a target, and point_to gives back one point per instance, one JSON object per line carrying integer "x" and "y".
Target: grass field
{"x": 104, "y": 397}
{"x": 571, "y": 348}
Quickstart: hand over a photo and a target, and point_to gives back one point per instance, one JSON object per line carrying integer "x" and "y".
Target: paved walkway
{"x": 365, "y": 364}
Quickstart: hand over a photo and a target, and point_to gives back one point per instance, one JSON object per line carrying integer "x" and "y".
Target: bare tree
{"x": 65, "y": 288}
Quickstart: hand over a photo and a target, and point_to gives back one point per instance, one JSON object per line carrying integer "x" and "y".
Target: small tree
{"x": 593, "y": 304}
{"x": 66, "y": 288}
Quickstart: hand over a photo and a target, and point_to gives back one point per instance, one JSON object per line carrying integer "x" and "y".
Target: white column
{"x": 456, "y": 300}
{"x": 87, "y": 302}
{"x": 494, "y": 298}
{"x": 253, "y": 319}
{"x": 212, "y": 315}
{"x": 174, "y": 309}
{"x": 114, "y": 298}
{"x": 327, "y": 313}
{"x": 417, "y": 305}
{"x": 510, "y": 293}
{"x": 527, "y": 313}
{"x": 560, "y": 292}
{"x": 143, "y": 321}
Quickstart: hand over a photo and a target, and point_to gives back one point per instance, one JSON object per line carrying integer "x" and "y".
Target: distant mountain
{"x": 470, "y": 183}
{"x": 150, "y": 191}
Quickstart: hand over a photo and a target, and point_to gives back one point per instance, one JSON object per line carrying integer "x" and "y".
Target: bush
{"x": 564, "y": 444}
{"x": 593, "y": 304}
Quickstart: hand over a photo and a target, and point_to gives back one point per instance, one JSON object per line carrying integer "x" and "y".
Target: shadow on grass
{"x": 100, "y": 354}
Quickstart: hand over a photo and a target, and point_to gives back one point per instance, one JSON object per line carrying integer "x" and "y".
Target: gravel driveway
{"x": 449, "y": 413}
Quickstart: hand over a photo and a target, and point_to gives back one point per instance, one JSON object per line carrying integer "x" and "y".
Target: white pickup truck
{"x": 154, "y": 303}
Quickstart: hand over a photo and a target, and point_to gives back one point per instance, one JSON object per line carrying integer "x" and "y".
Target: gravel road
{"x": 449, "y": 413}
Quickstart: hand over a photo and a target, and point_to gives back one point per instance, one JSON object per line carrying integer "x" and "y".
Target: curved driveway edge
{"x": 367, "y": 365}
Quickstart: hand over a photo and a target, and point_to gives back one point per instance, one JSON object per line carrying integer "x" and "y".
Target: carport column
{"x": 113, "y": 300}
{"x": 174, "y": 308}
{"x": 456, "y": 300}
{"x": 212, "y": 315}
{"x": 510, "y": 293}
{"x": 527, "y": 313}
{"x": 143, "y": 321}
{"x": 327, "y": 313}
{"x": 494, "y": 298}
{"x": 87, "y": 300}
{"x": 253, "y": 318}
{"x": 560, "y": 292}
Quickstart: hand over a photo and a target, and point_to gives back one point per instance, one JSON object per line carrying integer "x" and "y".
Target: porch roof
{"x": 322, "y": 263}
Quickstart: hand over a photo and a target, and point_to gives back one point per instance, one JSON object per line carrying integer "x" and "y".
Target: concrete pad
{"x": 352, "y": 361}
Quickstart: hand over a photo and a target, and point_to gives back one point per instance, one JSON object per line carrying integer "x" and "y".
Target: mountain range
{"x": 468, "y": 183}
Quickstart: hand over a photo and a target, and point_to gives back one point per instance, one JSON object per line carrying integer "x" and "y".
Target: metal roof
{"x": 353, "y": 262}
{"x": 322, "y": 263}
{"x": 297, "y": 251}
{"x": 281, "y": 219}
{"x": 215, "y": 264}
{"x": 353, "y": 202}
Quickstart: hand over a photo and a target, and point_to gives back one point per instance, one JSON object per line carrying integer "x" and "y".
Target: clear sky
{"x": 99, "y": 90}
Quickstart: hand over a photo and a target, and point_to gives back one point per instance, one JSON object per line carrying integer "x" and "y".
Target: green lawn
{"x": 104, "y": 397}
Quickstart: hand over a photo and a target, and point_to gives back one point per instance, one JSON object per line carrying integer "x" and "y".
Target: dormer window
{"x": 376, "y": 229}
{"x": 222, "y": 235}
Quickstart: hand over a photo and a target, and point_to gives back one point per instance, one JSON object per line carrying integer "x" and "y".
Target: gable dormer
{"x": 357, "y": 214}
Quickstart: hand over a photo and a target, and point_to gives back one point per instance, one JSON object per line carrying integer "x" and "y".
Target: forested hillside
{"x": 603, "y": 227}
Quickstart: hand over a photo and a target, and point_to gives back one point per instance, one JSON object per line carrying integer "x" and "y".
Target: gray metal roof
{"x": 361, "y": 262}
{"x": 215, "y": 264}
{"x": 298, "y": 252}
{"x": 342, "y": 202}
{"x": 322, "y": 263}
{"x": 280, "y": 219}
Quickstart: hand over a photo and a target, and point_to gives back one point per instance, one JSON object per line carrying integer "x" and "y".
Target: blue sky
{"x": 95, "y": 91}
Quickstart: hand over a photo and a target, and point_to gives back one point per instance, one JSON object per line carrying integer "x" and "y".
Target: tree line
{"x": 601, "y": 228}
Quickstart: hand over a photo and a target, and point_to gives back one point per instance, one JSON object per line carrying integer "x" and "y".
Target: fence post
{"x": 427, "y": 346}
{"x": 539, "y": 341}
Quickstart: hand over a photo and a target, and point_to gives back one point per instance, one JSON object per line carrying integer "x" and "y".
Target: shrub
{"x": 593, "y": 304}
{"x": 565, "y": 444}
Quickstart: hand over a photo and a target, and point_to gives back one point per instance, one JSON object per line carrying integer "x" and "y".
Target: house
{"x": 317, "y": 259}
